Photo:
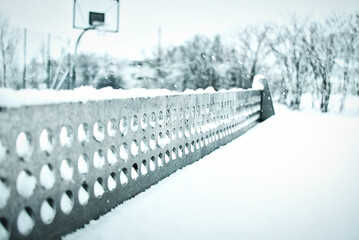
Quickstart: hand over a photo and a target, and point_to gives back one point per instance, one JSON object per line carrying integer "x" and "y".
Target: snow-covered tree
{"x": 251, "y": 43}
{"x": 321, "y": 53}
{"x": 285, "y": 42}
{"x": 201, "y": 62}
{"x": 347, "y": 29}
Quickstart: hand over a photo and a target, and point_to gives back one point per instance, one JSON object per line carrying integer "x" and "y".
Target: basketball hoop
{"x": 99, "y": 15}
{"x": 102, "y": 16}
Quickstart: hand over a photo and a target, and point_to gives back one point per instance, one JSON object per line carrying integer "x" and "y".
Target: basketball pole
{"x": 75, "y": 55}
{"x": 96, "y": 19}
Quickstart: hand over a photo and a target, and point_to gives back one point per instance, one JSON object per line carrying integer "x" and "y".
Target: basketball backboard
{"x": 99, "y": 14}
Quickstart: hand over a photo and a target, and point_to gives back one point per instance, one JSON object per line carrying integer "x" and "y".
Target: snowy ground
{"x": 295, "y": 176}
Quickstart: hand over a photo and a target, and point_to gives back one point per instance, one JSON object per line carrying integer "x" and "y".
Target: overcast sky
{"x": 179, "y": 19}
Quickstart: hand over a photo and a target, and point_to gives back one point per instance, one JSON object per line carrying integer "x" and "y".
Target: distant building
{"x": 142, "y": 73}
{"x": 142, "y": 70}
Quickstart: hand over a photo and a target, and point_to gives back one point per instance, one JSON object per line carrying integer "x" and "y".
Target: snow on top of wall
{"x": 16, "y": 98}
{"x": 256, "y": 81}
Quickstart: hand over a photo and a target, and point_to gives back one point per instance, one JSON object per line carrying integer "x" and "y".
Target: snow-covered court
{"x": 294, "y": 176}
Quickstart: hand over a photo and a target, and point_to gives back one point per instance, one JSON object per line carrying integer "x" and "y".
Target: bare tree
{"x": 347, "y": 42}
{"x": 236, "y": 73}
{"x": 321, "y": 50}
{"x": 201, "y": 62}
{"x": 251, "y": 42}
{"x": 8, "y": 43}
{"x": 286, "y": 44}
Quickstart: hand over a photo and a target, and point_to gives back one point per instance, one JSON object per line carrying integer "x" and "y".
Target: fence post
{"x": 267, "y": 109}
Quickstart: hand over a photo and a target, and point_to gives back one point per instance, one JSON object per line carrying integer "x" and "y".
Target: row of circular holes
{"x": 48, "y": 212}
{"x": 47, "y": 176}
{"x": 25, "y": 146}
{"x": 98, "y": 160}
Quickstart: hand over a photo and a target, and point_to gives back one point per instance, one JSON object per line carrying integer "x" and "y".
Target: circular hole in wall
{"x": 144, "y": 145}
{"x": 47, "y": 176}
{"x": 186, "y": 150}
{"x": 134, "y": 172}
{"x": 174, "y": 115}
{"x": 124, "y": 125}
{"x": 82, "y": 164}
{"x": 134, "y": 148}
{"x": 98, "y": 159}
{"x": 67, "y": 202}
{"x": 160, "y": 160}
{"x": 4, "y": 229}
{"x": 47, "y": 211}
{"x": 161, "y": 142}
{"x": 25, "y": 221}
{"x": 123, "y": 152}
{"x": 153, "y": 120}
{"x": 144, "y": 121}
{"x": 144, "y": 168}
{"x": 152, "y": 164}
{"x": 111, "y": 182}
{"x": 186, "y": 132}
{"x": 66, "y": 170}
{"x": 167, "y": 156}
{"x": 98, "y": 131}
{"x": 180, "y": 151}
{"x": 112, "y": 156}
{"x": 98, "y": 190}
{"x": 24, "y": 146}
{"x": 187, "y": 113}
{"x": 83, "y": 194}
{"x": 160, "y": 118}
{"x": 134, "y": 123}
{"x": 111, "y": 127}
{"x": 5, "y": 191}
{"x": 180, "y": 114}
{"x": 47, "y": 141}
{"x": 153, "y": 142}
{"x": 83, "y": 133}
{"x": 66, "y": 136}
{"x": 174, "y": 155}
{"x": 123, "y": 177}
{"x": 180, "y": 133}
{"x": 25, "y": 183}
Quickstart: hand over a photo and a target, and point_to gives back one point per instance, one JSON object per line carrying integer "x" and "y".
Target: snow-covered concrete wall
{"x": 63, "y": 164}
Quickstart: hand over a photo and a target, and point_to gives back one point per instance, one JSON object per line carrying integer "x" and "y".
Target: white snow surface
{"x": 16, "y": 98}
{"x": 11, "y": 98}
{"x": 294, "y": 176}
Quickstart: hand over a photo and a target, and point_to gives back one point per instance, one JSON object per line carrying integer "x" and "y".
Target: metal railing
{"x": 63, "y": 165}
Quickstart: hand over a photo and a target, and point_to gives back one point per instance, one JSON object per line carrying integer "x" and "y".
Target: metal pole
{"x": 118, "y": 13}
{"x": 75, "y": 55}
{"x": 24, "y": 72}
{"x": 48, "y": 61}
{"x": 159, "y": 47}
{"x": 68, "y": 80}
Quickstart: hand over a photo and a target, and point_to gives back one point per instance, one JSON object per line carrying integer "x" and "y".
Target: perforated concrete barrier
{"x": 62, "y": 165}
